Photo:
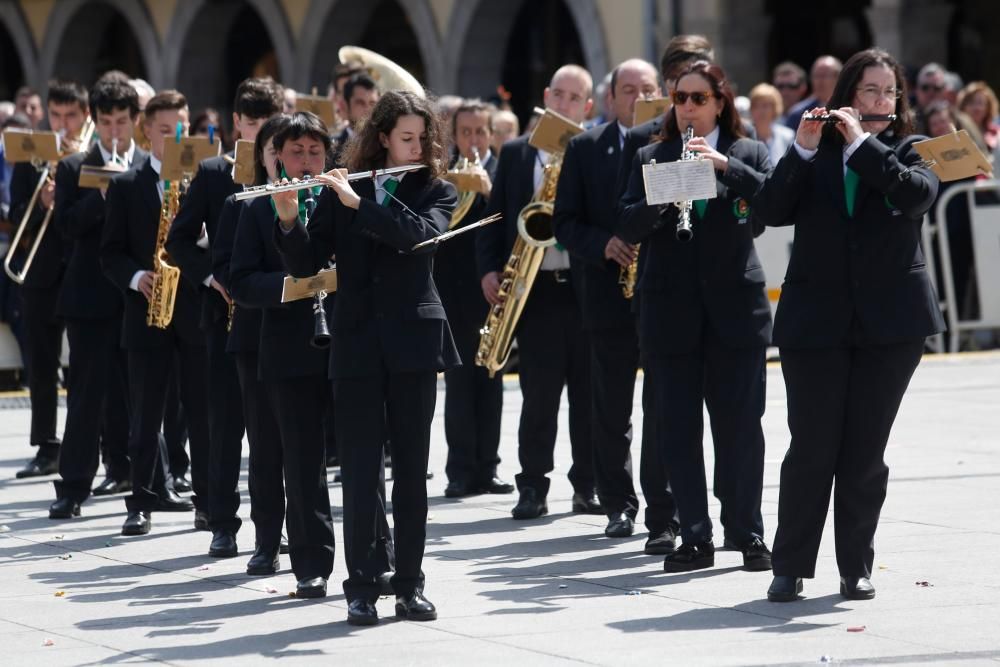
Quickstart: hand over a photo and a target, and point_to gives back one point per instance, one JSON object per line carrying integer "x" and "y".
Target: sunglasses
{"x": 787, "y": 86}
{"x": 930, "y": 88}
{"x": 680, "y": 97}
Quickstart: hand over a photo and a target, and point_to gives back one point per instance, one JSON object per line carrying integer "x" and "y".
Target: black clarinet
{"x": 321, "y": 331}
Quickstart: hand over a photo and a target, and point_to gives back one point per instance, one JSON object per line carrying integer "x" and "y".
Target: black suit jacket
{"x": 861, "y": 278}
{"x": 85, "y": 292}
{"x": 716, "y": 277}
{"x": 47, "y": 267}
{"x": 245, "y": 333}
{"x": 336, "y": 157}
{"x": 127, "y": 244}
{"x": 388, "y": 316}
{"x": 585, "y": 219}
{"x": 256, "y": 275}
{"x": 202, "y": 205}
{"x": 513, "y": 188}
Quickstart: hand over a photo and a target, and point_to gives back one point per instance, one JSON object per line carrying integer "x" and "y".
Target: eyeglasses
{"x": 787, "y": 86}
{"x": 874, "y": 93}
{"x": 680, "y": 97}
{"x": 930, "y": 88}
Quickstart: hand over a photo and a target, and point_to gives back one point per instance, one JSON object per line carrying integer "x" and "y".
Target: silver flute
{"x": 864, "y": 118}
{"x": 273, "y": 188}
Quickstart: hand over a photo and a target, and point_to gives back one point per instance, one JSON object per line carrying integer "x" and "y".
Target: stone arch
{"x": 20, "y": 46}
{"x": 64, "y": 31}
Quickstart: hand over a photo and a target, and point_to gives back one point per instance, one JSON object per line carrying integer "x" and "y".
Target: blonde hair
{"x": 965, "y": 97}
{"x": 765, "y": 91}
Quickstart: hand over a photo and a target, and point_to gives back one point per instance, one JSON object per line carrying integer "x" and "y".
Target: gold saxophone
{"x": 465, "y": 197}
{"x": 166, "y": 276}
{"x": 535, "y": 234}
{"x": 629, "y": 275}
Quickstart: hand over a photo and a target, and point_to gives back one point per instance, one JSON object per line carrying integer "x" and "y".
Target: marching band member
{"x": 855, "y": 308}
{"x": 360, "y": 97}
{"x": 473, "y": 400}
{"x": 705, "y": 322}
{"x": 97, "y": 400}
{"x": 585, "y": 221}
{"x": 390, "y": 333}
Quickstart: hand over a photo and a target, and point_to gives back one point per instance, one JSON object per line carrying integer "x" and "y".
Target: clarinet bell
{"x": 321, "y": 331}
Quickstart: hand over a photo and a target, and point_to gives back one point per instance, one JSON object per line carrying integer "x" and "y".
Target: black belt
{"x": 556, "y": 275}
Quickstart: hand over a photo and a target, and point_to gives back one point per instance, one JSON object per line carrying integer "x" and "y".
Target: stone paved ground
{"x": 553, "y": 591}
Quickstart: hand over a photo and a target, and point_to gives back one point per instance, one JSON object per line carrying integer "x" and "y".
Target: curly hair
{"x": 729, "y": 119}
{"x": 365, "y": 150}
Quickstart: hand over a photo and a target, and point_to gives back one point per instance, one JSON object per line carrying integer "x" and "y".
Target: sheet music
{"x": 670, "y": 182}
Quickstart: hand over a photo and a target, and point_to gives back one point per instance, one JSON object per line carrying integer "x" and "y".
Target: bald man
{"x": 823, "y": 77}
{"x": 552, "y": 345}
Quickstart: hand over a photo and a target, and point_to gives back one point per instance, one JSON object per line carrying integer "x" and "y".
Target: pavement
{"x": 548, "y": 592}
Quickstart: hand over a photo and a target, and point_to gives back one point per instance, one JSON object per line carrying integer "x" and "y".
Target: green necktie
{"x": 390, "y": 189}
{"x": 700, "y": 205}
{"x": 850, "y": 189}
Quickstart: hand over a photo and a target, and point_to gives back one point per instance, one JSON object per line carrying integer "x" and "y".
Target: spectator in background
{"x": 978, "y": 101}
{"x": 929, "y": 89}
{"x": 204, "y": 118}
{"x": 790, "y": 80}
{"x": 7, "y": 110}
{"x": 765, "y": 110}
{"x": 823, "y": 77}
{"x": 288, "y": 104}
{"x": 506, "y": 126}
{"x": 28, "y": 102}
{"x": 952, "y": 86}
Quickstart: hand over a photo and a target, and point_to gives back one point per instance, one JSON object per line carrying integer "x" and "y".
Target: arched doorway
{"x": 226, "y": 42}
{"x": 97, "y": 38}
{"x": 802, "y": 32}
{"x": 11, "y": 69}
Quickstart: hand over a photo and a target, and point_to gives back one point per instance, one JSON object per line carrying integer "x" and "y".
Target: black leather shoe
{"x": 223, "y": 545}
{"x": 661, "y": 543}
{"x": 784, "y": 589}
{"x": 756, "y": 556}
{"x": 201, "y": 520}
{"x": 385, "y": 584}
{"x": 497, "y": 486}
{"x": 458, "y": 489}
{"x": 264, "y": 562}
{"x": 171, "y": 502}
{"x": 857, "y": 588}
{"x": 415, "y": 607}
{"x": 619, "y": 525}
{"x": 137, "y": 523}
{"x": 311, "y": 588}
{"x": 584, "y": 503}
{"x": 182, "y": 484}
{"x": 110, "y": 486}
{"x": 39, "y": 467}
{"x": 690, "y": 556}
{"x": 530, "y": 505}
{"x": 64, "y": 508}
{"x": 362, "y": 612}
{"x": 283, "y": 545}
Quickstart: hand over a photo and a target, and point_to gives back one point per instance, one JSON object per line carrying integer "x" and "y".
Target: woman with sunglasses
{"x": 390, "y": 333}
{"x": 855, "y": 309}
{"x": 705, "y": 321}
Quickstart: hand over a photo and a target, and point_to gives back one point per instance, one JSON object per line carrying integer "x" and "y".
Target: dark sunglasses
{"x": 929, "y": 88}
{"x": 787, "y": 86}
{"x": 680, "y": 97}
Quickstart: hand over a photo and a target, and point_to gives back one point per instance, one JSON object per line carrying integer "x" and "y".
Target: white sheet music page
{"x": 669, "y": 182}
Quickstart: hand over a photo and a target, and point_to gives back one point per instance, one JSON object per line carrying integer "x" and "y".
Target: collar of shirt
{"x": 380, "y": 184}
{"x": 155, "y": 163}
{"x": 622, "y": 130}
{"x": 713, "y": 138}
{"x": 128, "y": 155}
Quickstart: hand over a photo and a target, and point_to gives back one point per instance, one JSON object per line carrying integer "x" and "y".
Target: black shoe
{"x": 201, "y": 520}
{"x": 385, "y": 584}
{"x": 110, "y": 486}
{"x": 283, "y": 545}
{"x": 458, "y": 489}
{"x": 690, "y": 556}
{"x": 223, "y": 544}
{"x": 619, "y": 525}
{"x": 182, "y": 484}
{"x": 661, "y": 543}
{"x": 263, "y": 562}
{"x": 311, "y": 588}
{"x": 756, "y": 556}
{"x": 857, "y": 588}
{"x": 415, "y": 607}
{"x": 64, "y": 508}
{"x": 362, "y": 612}
{"x": 784, "y": 589}
{"x": 584, "y": 503}
{"x": 497, "y": 486}
{"x": 39, "y": 467}
{"x": 137, "y": 523}
{"x": 530, "y": 505}
{"x": 170, "y": 502}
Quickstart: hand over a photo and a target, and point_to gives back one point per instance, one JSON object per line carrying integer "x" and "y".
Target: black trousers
{"x": 553, "y": 351}
{"x": 267, "y": 487}
{"x": 614, "y": 359}
{"x": 298, "y": 410}
{"x": 661, "y": 508}
{"x": 225, "y": 429}
{"x": 175, "y": 429}
{"x": 43, "y": 332}
{"x": 97, "y": 407}
{"x": 147, "y": 369}
{"x": 842, "y": 403}
{"x": 473, "y": 402}
{"x": 730, "y": 382}
{"x": 400, "y": 407}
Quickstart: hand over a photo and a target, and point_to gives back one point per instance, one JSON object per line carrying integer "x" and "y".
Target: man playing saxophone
{"x": 132, "y": 226}
{"x": 552, "y": 345}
